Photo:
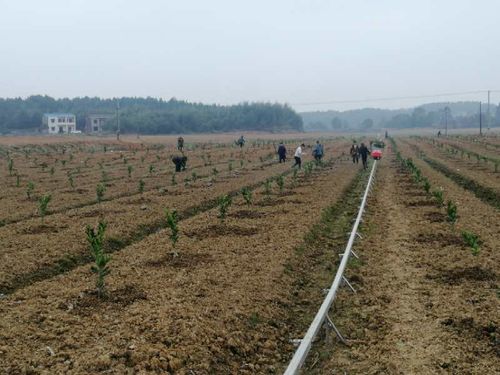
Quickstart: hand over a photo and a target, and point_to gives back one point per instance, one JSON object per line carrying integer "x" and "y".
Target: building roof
{"x": 58, "y": 114}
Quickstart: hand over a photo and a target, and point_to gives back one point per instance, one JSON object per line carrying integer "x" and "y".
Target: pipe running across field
{"x": 305, "y": 344}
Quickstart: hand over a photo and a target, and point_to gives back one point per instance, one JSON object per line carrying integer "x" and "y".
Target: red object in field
{"x": 377, "y": 154}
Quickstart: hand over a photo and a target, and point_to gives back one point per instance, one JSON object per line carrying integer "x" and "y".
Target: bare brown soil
{"x": 425, "y": 304}
{"x": 218, "y": 307}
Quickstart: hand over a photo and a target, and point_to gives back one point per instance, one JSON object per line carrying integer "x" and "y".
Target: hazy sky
{"x": 228, "y": 51}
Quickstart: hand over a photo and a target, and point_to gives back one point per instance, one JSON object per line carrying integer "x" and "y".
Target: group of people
{"x": 317, "y": 152}
{"x": 357, "y": 151}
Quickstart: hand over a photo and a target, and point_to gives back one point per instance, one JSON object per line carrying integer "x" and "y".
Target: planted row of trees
{"x": 469, "y": 238}
{"x": 457, "y": 150}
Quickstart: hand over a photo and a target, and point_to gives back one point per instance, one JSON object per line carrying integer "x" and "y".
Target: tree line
{"x": 455, "y": 115}
{"x": 150, "y": 115}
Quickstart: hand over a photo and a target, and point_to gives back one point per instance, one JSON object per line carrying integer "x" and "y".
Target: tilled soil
{"x": 220, "y": 307}
{"x": 425, "y": 304}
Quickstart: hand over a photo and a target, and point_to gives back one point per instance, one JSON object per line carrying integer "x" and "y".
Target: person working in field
{"x": 282, "y": 152}
{"x": 318, "y": 151}
{"x": 364, "y": 152}
{"x": 241, "y": 142}
{"x": 298, "y": 156}
{"x": 180, "y": 162}
{"x": 354, "y": 153}
{"x": 180, "y": 143}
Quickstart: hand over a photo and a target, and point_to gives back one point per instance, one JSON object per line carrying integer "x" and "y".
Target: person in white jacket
{"x": 298, "y": 156}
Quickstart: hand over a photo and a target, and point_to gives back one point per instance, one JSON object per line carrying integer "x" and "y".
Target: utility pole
{"x": 488, "y": 112}
{"x": 446, "y": 109}
{"x": 480, "y": 120}
{"x": 118, "y": 120}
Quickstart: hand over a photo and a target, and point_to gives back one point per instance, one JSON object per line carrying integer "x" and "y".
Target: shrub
{"x": 194, "y": 176}
{"x": 95, "y": 238}
{"x": 172, "y": 221}
{"x": 100, "y": 190}
{"x": 43, "y": 203}
{"x": 230, "y": 166}
{"x": 247, "y": 195}
{"x": 215, "y": 172}
{"x": 52, "y": 170}
{"x": 174, "y": 182}
{"x": 18, "y": 180}
{"x": 141, "y": 186}
{"x": 451, "y": 211}
{"x": 29, "y": 189}
{"x": 223, "y": 202}
{"x": 472, "y": 240}
{"x": 439, "y": 196}
{"x": 151, "y": 168}
{"x": 129, "y": 170}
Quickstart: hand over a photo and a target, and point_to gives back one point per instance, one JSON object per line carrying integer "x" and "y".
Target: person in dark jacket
{"x": 282, "y": 152}
{"x": 318, "y": 151}
{"x": 180, "y": 143}
{"x": 364, "y": 152}
{"x": 180, "y": 162}
{"x": 354, "y": 153}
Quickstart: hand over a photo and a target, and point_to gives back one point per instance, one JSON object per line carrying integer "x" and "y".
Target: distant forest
{"x": 150, "y": 115}
{"x": 457, "y": 115}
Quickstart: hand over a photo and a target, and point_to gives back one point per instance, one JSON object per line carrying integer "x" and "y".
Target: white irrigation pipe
{"x": 305, "y": 344}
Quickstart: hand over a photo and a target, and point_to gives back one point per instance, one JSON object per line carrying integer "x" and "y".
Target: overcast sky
{"x": 228, "y": 51}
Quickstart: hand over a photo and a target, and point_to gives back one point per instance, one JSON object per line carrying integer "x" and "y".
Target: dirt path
{"x": 405, "y": 319}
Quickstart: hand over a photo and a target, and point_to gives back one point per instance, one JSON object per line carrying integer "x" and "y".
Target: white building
{"x": 59, "y": 123}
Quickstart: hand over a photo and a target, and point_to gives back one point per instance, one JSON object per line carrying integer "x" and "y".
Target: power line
{"x": 353, "y": 101}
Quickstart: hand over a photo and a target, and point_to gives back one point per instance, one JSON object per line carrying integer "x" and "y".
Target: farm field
{"x": 232, "y": 294}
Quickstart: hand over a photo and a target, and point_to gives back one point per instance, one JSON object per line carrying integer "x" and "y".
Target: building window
{"x": 61, "y": 119}
{"x": 96, "y": 128}
{"x": 52, "y": 120}
{"x": 95, "y": 121}
{"x": 53, "y": 128}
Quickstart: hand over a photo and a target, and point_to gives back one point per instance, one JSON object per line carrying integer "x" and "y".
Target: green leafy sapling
{"x": 129, "y": 170}
{"x": 267, "y": 188}
{"x": 43, "y": 203}
{"x": 30, "y": 188}
{"x": 247, "y": 195}
{"x": 100, "y": 190}
{"x": 223, "y": 202}
{"x": 427, "y": 185}
{"x": 472, "y": 240}
{"x": 71, "y": 180}
{"x": 95, "y": 238}
{"x": 451, "y": 212}
{"x": 10, "y": 166}
{"x": 141, "y": 186}
{"x": 280, "y": 181}
{"x": 439, "y": 197}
